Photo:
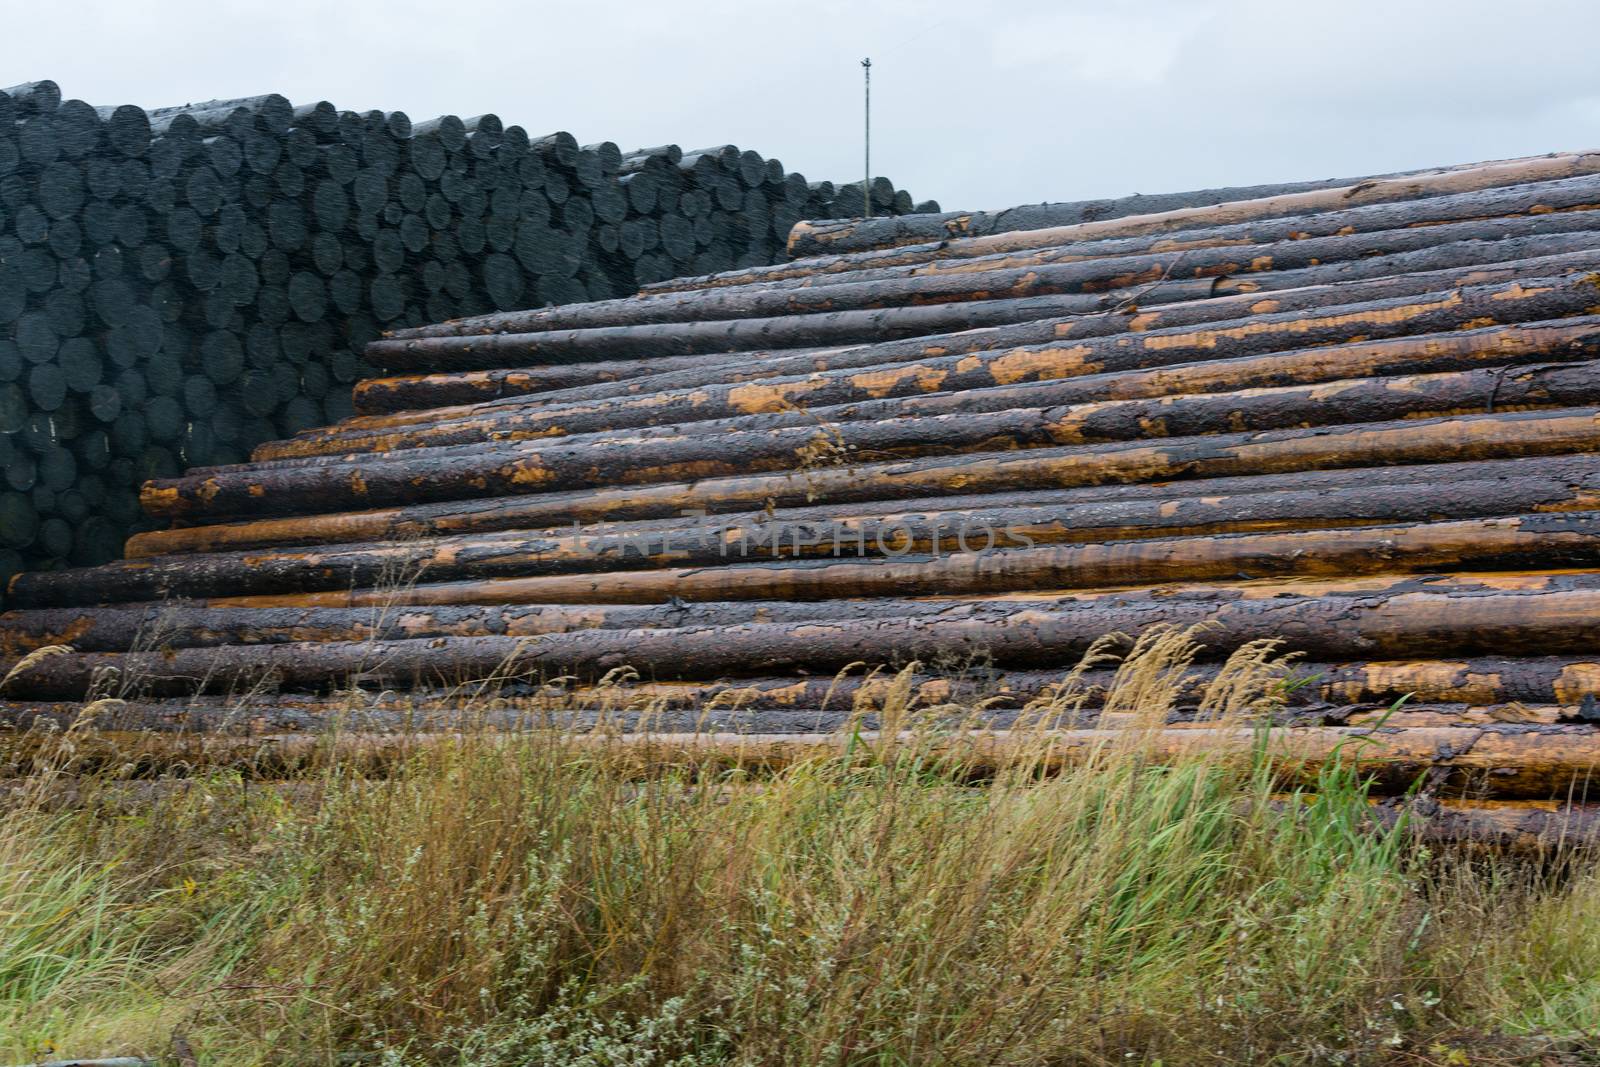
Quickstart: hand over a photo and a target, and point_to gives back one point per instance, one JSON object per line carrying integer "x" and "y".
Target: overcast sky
{"x": 978, "y": 106}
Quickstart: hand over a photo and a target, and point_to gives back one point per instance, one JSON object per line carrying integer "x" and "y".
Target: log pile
{"x": 178, "y": 285}
{"x": 1362, "y": 420}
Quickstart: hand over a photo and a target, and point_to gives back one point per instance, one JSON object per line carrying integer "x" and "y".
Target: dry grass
{"x": 522, "y": 901}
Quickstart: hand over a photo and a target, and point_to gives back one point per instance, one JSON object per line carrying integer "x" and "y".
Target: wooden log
{"x": 1365, "y": 497}
{"x": 1264, "y": 328}
{"x": 1505, "y": 760}
{"x": 1581, "y": 194}
{"x": 858, "y": 235}
{"x": 850, "y": 408}
{"x": 179, "y": 625}
{"x": 1568, "y": 540}
{"x": 1342, "y": 689}
{"x": 1563, "y": 194}
{"x": 508, "y": 472}
{"x": 1449, "y": 265}
{"x": 744, "y": 445}
{"x": 1267, "y": 326}
{"x": 483, "y": 712}
{"x": 1084, "y": 276}
{"x": 808, "y": 239}
{"x": 1549, "y": 484}
{"x": 833, "y": 328}
{"x": 408, "y": 391}
{"x": 1351, "y": 626}
{"x": 1453, "y": 450}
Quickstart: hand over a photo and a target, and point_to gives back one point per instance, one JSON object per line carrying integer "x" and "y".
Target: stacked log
{"x": 180, "y": 284}
{"x": 1361, "y": 421}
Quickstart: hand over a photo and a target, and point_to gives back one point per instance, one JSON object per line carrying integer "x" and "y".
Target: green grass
{"x": 526, "y": 901}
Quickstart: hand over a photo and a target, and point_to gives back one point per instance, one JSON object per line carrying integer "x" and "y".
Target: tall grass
{"x": 521, "y": 900}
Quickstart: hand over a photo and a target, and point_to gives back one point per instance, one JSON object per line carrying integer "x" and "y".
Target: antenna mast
{"x": 866, "y": 170}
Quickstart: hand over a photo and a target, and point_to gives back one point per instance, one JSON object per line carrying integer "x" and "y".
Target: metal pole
{"x": 866, "y": 170}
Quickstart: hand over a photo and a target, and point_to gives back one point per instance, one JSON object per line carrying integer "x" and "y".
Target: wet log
{"x": 1572, "y": 194}
{"x": 849, "y": 327}
{"x": 1507, "y": 760}
{"x": 1450, "y": 441}
{"x": 1364, "y": 498}
{"x": 1087, "y": 276}
{"x": 836, "y": 237}
{"x": 1203, "y": 505}
{"x": 1558, "y": 540}
{"x": 407, "y": 391}
{"x": 1343, "y": 689}
{"x": 1262, "y": 329}
{"x": 1361, "y": 498}
{"x": 507, "y": 472}
{"x": 1113, "y": 368}
{"x": 1355, "y": 626}
{"x": 808, "y": 239}
{"x": 1368, "y": 380}
{"x": 1561, "y": 195}
{"x": 176, "y": 624}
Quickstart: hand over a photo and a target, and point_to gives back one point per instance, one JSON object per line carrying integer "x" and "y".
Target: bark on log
{"x": 1138, "y": 367}
{"x": 357, "y": 711}
{"x": 1573, "y": 194}
{"x": 1423, "y": 624}
{"x": 1190, "y": 400}
{"x": 1561, "y": 195}
{"x": 177, "y": 624}
{"x": 847, "y": 327}
{"x": 405, "y": 392}
{"x": 325, "y": 489}
{"x": 843, "y": 237}
{"x": 904, "y": 290}
{"x": 400, "y": 399}
{"x": 1337, "y": 689}
{"x": 1365, "y": 497}
{"x": 1560, "y": 540}
{"x": 1506, "y": 761}
{"x": 1434, "y": 443}
{"x": 806, "y": 239}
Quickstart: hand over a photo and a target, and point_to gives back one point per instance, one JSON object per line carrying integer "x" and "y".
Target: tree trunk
{"x": 1512, "y": 761}
{"x": 1560, "y": 195}
{"x": 1189, "y": 400}
{"x": 1086, "y": 276}
{"x": 988, "y": 381}
{"x": 807, "y": 239}
{"x": 841, "y": 238}
{"x": 1355, "y": 626}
